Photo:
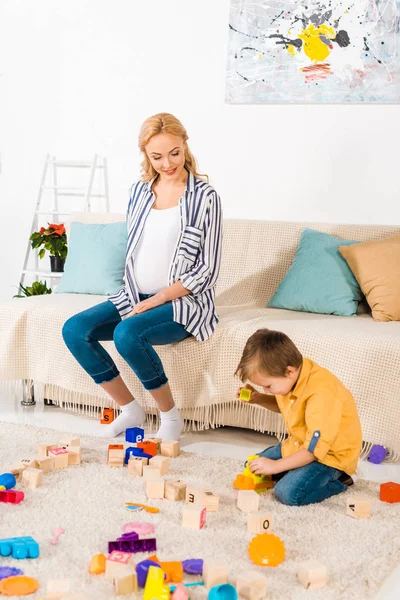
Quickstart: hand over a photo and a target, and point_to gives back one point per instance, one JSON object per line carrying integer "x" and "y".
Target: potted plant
{"x": 36, "y": 289}
{"x": 54, "y": 240}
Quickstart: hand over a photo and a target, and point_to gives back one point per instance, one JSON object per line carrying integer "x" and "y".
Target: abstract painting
{"x": 333, "y": 51}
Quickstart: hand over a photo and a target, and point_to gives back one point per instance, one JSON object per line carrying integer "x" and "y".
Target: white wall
{"x": 79, "y": 77}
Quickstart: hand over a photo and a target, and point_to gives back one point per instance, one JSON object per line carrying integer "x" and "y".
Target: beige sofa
{"x": 363, "y": 353}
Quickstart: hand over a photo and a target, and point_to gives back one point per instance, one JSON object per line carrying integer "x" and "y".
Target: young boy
{"x": 321, "y": 453}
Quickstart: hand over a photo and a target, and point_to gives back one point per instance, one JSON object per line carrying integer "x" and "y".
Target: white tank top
{"x": 155, "y": 250}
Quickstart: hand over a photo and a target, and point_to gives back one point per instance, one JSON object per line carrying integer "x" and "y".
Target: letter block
{"x": 215, "y": 572}
{"x": 175, "y": 490}
{"x": 312, "y": 575}
{"x": 170, "y": 449}
{"x": 107, "y": 416}
{"x": 134, "y": 435}
{"x": 252, "y": 586}
{"x": 259, "y": 522}
{"x": 248, "y": 501}
{"x": 194, "y": 516}
{"x": 358, "y": 508}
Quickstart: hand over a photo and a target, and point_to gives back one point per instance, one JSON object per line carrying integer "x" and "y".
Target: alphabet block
{"x": 148, "y": 447}
{"x": 252, "y": 586}
{"x": 215, "y": 572}
{"x": 259, "y": 522}
{"x": 42, "y": 450}
{"x": 155, "y": 488}
{"x": 74, "y": 455}
{"x": 194, "y": 495}
{"x": 312, "y": 575}
{"x": 170, "y": 449}
{"x": 32, "y": 478}
{"x": 134, "y": 435}
{"x": 69, "y": 441}
{"x": 60, "y": 457}
{"x": 194, "y": 516}
{"x": 115, "y": 562}
{"x": 115, "y": 455}
{"x": 125, "y": 581}
{"x": 150, "y": 472}
{"x": 358, "y": 508}
{"x": 210, "y": 501}
{"x": 135, "y": 466}
{"x": 161, "y": 462}
{"x": 107, "y": 416}
{"x": 175, "y": 490}
{"x": 248, "y": 501}
{"x": 46, "y": 464}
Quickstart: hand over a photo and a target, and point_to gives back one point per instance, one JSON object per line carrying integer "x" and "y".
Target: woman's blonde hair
{"x": 164, "y": 123}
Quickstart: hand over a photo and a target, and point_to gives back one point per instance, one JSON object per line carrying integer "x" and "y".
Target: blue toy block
{"x": 19, "y": 547}
{"x": 142, "y": 569}
{"x": 132, "y": 451}
{"x": 134, "y": 434}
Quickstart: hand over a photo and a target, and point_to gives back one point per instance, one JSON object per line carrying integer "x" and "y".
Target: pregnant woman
{"x": 173, "y": 257}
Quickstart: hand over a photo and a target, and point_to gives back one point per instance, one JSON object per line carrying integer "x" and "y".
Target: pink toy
{"x": 138, "y": 527}
{"x": 57, "y": 533}
{"x": 180, "y": 593}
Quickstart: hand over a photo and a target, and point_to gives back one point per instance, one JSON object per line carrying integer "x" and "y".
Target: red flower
{"x": 56, "y": 229}
{"x": 41, "y": 230}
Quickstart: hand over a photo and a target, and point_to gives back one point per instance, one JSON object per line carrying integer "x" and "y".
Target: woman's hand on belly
{"x": 156, "y": 300}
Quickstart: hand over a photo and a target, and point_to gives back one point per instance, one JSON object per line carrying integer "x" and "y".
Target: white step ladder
{"x": 86, "y": 193}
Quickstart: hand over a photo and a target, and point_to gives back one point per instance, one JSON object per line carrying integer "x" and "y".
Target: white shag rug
{"x": 87, "y": 501}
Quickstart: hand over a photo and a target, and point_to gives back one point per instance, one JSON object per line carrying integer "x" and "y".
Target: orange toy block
{"x": 107, "y": 416}
{"x": 148, "y": 447}
{"x": 173, "y": 571}
{"x": 243, "y": 482}
{"x": 97, "y": 564}
{"x": 312, "y": 575}
{"x": 390, "y": 492}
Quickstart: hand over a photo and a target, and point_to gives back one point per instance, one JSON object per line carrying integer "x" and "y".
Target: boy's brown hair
{"x": 269, "y": 353}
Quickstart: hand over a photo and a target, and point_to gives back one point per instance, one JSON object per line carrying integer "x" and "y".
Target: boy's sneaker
{"x": 347, "y": 479}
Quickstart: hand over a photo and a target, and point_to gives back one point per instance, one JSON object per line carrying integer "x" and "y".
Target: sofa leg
{"x": 28, "y": 396}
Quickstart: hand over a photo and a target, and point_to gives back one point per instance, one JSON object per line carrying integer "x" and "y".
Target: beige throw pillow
{"x": 376, "y": 266}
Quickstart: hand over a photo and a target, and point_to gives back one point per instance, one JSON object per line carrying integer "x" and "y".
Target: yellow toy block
{"x": 155, "y": 587}
{"x": 245, "y": 395}
{"x": 249, "y": 481}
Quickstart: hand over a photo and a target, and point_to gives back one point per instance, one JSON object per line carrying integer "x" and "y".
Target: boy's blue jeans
{"x": 312, "y": 483}
{"x": 133, "y": 338}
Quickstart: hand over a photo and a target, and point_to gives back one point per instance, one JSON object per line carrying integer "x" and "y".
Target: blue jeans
{"x": 133, "y": 338}
{"x": 312, "y": 483}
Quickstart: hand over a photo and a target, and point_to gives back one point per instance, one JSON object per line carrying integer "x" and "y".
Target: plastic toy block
{"x": 244, "y": 482}
{"x": 161, "y": 462}
{"x": 107, "y": 416}
{"x": 245, "y": 395}
{"x": 32, "y": 478}
{"x": 194, "y": 516}
{"x": 390, "y": 492}
{"x": 11, "y": 496}
{"x": 58, "y": 588}
{"x": 252, "y": 586}
{"x": 193, "y": 566}
{"x": 210, "y": 501}
{"x": 170, "y": 449}
{"x": 134, "y": 435}
{"x": 180, "y": 593}
{"x": 155, "y": 587}
{"x": 358, "y": 508}
{"x": 124, "y": 546}
{"x": 155, "y": 488}
{"x": 115, "y": 561}
{"x": 125, "y": 582}
{"x": 151, "y": 472}
{"x": 68, "y": 442}
{"x": 46, "y": 464}
{"x": 312, "y": 575}
{"x": 97, "y": 564}
{"x": 173, "y": 571}
{"x": 137, "y": 452}
{"x": 259, "y": 522}
{"x": 135, "y": 466}
{"x": 60, "y": 457}
{"x": 19, "y": 547}
{"x": 142, "y": 569}
{"x": 248, "y": 501}
{"x": 266, "y": 550}
{"x": 194, "y": 495}
{"x": 148, "y": 447}
{"x": 74, "y": 455}
{"x": 175, "y": 490}
{"x": 123, "y": 543}
{"x": 7, "y": 481}
{"x": 215, "y": 572}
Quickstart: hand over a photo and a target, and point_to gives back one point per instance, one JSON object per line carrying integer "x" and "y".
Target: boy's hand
{"x": 263, "y": 466}
{"x": 255, "y": 396}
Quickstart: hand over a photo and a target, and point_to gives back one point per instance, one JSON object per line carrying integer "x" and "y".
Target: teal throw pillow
{"x": 96, "y": 259}
{"x": 319, "y": 279}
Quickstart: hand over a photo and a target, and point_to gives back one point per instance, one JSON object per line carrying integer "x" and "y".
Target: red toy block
{"x": 148, "y": 447}
{"x": 11, "y": 496}
{"x": 107, "y": 416}
{"x": 390, "y": 492}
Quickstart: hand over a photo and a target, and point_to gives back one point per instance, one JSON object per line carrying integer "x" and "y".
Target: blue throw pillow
{"x": 319, "y": 279}
{"x": 96, "y": 259}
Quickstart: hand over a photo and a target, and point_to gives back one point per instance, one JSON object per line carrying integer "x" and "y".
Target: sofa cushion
{"x": 376, "y": 266}
{"x": 96, "y": 259}
{"x": 319, "y": 279}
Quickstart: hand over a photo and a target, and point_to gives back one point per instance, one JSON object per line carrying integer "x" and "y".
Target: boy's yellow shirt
{"x": 320, "y": 414}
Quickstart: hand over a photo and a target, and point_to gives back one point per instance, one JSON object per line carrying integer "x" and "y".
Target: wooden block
{"x": 116, "y": 455}
{"x": 155, "y": 488}
{"x": 161, "y": 462}
{"x": 117, "y": 562}
{"x": 56, "y": 588}
{"x": 248, "y": 501}
{"x": 194, "y": 495}
{"x": 150, "y": 472}
{"x": 259, "y": 522}
{"x": 390, "y": 492}
{"x": 42, "y": 450}
{"x": 60, "y": 457}
{"x": 114, "y": 447}
{"x": 135, "y": 466}
{"x": 17, "y": 472}
{"x": 251, "y": 586}
{"x": 74, "y": 597}
{"x": 170, "y": 449}
{"x": 358, "y": 508}
{"x": 215, "y": 572}
{"x": 32, "y": 478}
{"x": 107, "y": 416}
{"x": 74, "y": 455}
{"x": 46, "y": 464}
{"x": 210, "y": 501}
{"x": 30, "y": 463}
{"x": 125, "y": 581}
{"x": 312, "y": 575}
{"x": 69, "y": 441}
{"x": 175, "y": 490}
{"x": 194, "y": 516}
{"x": 158, "y": 442}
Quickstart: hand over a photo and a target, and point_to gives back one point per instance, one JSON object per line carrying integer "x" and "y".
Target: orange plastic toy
{"x": 19, "y": 585}
{"x": 267, "y": 550}
{"x": 390, "y": 492}
{"x": 107, "y": 416}
{"x": 148, "y": 447}
{"x": 173, "y": 571}
{"x": 243, "y": 482}
{"x": 97, "y": 564}
{"x": 149, "y": 509}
